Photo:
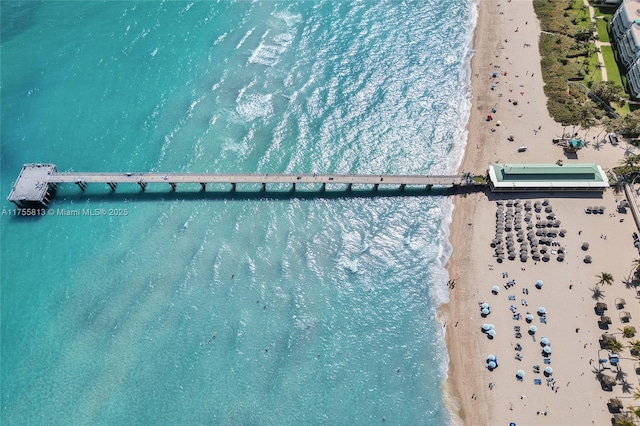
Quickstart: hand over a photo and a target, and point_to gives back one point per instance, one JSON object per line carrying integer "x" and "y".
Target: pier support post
{"x": 375, "y": 186}
{"x": 293, "y": 188}
{"x": 143, "y": 185}
{"x": 324, "y": 186}
{"x": 112, "y": 185}
{"x": 203, "y": 185}
{"x": 173, "y": 186}
{"x": 350, "y": 187}
{"x": 428, "y": 188}
{"x": 82, "y": 185}
{"x": 264, "y": 186}
{"x": 403, "y": 186}
{"x": 233, "y": 186}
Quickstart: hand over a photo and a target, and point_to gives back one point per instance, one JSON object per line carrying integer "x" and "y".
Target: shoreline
{"x": 458, "y": 408}
{"x": 505, "y": 42}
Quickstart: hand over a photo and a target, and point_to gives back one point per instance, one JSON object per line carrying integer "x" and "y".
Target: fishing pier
{"x": 37, "y": 182}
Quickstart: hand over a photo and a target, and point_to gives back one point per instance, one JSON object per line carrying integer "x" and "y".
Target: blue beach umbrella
{"x": 495, "y": 289}
{"x": 539, "y": 284}
{"x": 491, "y": 333}
{"x": 520, "y": 374}
{"x": 491, "y": 358}
{"x": 485, "y": 312}
{"x": 546, "y": 350}
{"x": 529, "y": 318}
{"x": 491, "y": 326}
{"x": 486, "y": 327}
{"x": 485, "y": 306}
{"x": 491, "y": 365}
{"x": 542, "y": 310}
{"x": 544, "y": 341}
{"x": 548, "y": 371}
{"x": 533, "y": 329}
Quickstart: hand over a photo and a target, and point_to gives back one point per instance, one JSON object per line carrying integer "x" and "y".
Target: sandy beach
{"x": 506, "y": 43}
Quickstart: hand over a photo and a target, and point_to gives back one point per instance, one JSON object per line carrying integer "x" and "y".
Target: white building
{"x": 625, "y": 32}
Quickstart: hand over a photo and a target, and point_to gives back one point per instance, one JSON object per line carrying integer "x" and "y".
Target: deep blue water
{"x": 196, "y": 309}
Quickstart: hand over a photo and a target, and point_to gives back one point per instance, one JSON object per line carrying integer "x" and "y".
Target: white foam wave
{"x": 255, "y": 106}
{"x": 244, "y": 38}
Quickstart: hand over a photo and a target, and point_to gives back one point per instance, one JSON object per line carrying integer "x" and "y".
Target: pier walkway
{"x": 37, "y": 182}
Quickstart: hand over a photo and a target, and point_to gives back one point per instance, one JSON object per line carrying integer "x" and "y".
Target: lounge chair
{"x": 547, "y": 361}
{"x": 537, "y": 381}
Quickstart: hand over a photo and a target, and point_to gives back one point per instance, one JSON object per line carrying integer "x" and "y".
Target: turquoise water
{"x": 220, "y": 309}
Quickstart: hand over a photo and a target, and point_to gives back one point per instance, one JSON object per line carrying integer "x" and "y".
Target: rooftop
{"x": 543, "y": 176}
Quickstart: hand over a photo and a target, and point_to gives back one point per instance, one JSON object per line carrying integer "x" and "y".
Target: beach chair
{"x": 543, "y": 320}
{"x": 518, "y": 335}
{"x": 512, "y": 297}
{"x": 547, "y": 361}
{"x": 537, "y": 381}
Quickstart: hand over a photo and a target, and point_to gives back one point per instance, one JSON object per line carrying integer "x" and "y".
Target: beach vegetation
{"x": 635, "y": 264}
{"x": 625, "y": 421}
{"x": 628, "y": 332}
{"x": 628, "y": 169}
{"x": 609, "y": 92}
{"x": 605, "y": 278}
{"x": 615, "y": 346}
{"x": 636, "y": 393}
{"x": 568, "y": 56}
{"x": 635, "y": 351}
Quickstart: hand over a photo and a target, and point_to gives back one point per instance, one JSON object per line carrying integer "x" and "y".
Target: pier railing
{"x": 37, "y": 182}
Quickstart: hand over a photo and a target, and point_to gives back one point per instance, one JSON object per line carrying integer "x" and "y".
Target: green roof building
{"x": 547, "y": 177}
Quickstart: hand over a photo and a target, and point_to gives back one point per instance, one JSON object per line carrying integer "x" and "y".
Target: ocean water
{"x": 215, "y": 308}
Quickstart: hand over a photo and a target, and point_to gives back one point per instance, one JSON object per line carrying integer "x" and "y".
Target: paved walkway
{"x": 598, "y": 43}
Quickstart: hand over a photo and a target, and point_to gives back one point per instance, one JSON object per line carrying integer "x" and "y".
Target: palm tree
{"x": 628, "y": 332}
{"x": 635, "y": 411}
{"x": 605, "y": 278}
{"x": 615, "y": 346}
{"x": 625, "y": 421}
{"x": 636, "y": 393}
{"x": 635, "y": 351}
{"x": 636, "y": 266}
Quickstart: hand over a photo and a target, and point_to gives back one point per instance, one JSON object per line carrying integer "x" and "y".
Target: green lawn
{"x": 595, "y": 74}
{"x": 603, "y": 35}
{"x": 613, "y": 74}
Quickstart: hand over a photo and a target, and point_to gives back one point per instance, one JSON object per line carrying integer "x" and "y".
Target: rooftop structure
{"x": 547, "y": 177}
